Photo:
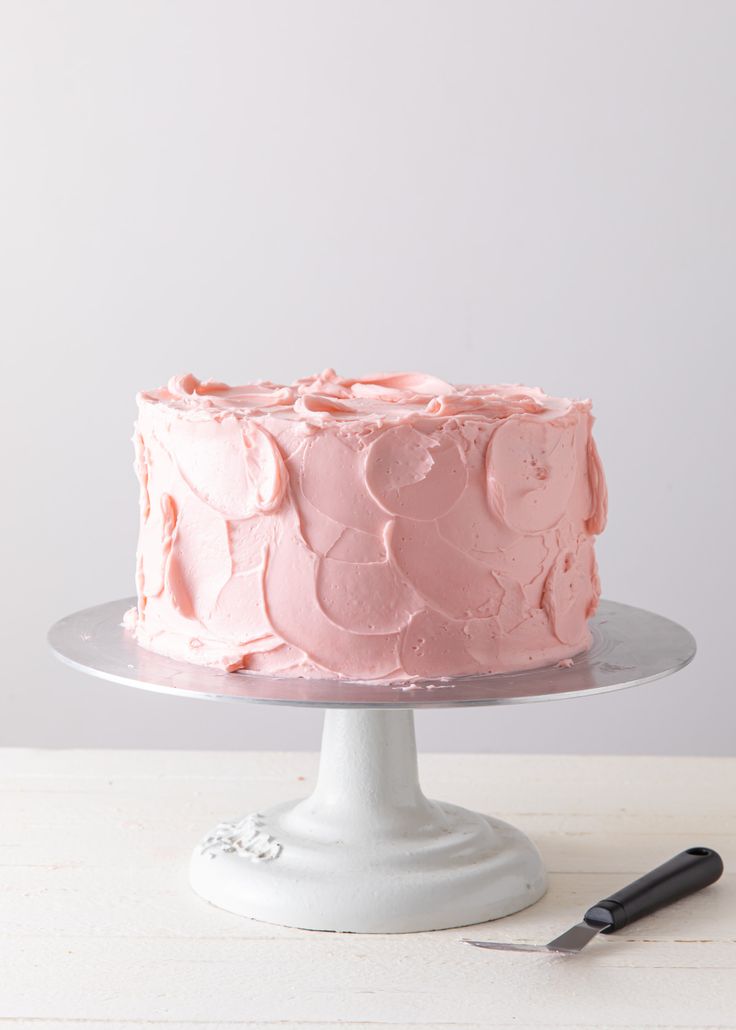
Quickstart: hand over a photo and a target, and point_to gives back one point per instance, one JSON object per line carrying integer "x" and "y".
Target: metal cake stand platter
{"x": 367, "y": 851}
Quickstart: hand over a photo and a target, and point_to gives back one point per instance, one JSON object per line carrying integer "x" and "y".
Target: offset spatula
{"x": 684, "y": 874}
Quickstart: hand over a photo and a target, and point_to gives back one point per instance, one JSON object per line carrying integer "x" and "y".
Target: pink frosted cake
{"x": 388, "y": 527}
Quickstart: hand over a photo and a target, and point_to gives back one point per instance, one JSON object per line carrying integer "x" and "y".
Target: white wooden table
{"x": 98, "y": 927}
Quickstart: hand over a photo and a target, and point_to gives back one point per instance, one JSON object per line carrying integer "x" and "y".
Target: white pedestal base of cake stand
{"x": 367, "y": 851}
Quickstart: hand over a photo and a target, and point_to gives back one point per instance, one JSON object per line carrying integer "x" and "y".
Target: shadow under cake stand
{"x": 367, "y": 851}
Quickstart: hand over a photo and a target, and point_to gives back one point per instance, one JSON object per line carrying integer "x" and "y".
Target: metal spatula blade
{"x": 574, "y": 940}
{"x": 569, "y": 943}
{"x": 683, "y": 875}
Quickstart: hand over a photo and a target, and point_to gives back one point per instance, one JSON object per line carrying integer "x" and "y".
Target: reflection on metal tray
{"x": 630, "y": 646}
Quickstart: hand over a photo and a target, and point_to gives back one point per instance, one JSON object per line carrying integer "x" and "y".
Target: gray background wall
{"x": 535, "y": 192}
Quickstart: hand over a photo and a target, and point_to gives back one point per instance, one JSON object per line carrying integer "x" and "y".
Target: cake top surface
{"x": 383, "y": 394}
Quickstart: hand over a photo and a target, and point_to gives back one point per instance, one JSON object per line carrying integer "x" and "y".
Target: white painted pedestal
{"x": 367, "y": 851}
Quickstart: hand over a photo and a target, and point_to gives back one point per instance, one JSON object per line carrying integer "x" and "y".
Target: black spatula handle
{"x": 684, "y": 874}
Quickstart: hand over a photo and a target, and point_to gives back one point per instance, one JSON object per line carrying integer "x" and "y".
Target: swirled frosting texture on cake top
{"x": 387, "y": 527}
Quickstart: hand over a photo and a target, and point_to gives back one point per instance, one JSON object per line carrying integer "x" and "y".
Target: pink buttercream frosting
{"x": 387, "y": 527}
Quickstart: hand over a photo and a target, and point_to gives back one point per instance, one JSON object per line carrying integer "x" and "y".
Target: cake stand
{"x": 367, "y": 851}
